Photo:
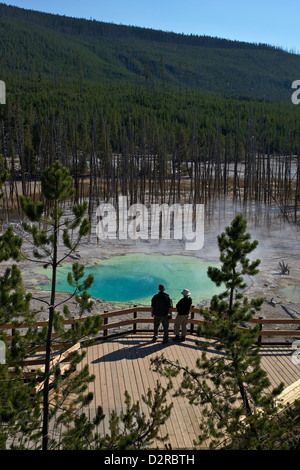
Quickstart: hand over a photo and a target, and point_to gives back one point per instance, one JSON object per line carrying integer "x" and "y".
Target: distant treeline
{"x": 154, "y": 146}
{"x": 84, "y": 27}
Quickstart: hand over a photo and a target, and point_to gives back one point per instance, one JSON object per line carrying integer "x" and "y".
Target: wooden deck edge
{"x": 290, "y": 394}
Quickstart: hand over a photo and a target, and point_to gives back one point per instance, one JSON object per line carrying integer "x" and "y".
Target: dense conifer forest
{"x": 117, "y": 107}
{"x": 58, "y": 47}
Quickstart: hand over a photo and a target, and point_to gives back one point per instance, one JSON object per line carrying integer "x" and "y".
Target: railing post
{"x": 134, "y": 317}
{"x": 192, "y": 324}
{"x": 105, "y": 323}
{"x": 260, "y": 329}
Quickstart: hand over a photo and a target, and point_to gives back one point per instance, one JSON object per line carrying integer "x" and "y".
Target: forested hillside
{"x": 157, "y": 116}
{"x": 58, "y": 47}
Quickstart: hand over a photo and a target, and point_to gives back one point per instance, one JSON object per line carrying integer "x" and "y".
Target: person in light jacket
{"x": 183, "y": 309}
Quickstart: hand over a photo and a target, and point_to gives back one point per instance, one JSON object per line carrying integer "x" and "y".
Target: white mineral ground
{"x": 278, "y": 241}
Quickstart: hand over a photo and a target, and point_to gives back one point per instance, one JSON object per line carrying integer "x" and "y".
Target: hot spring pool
{"x": 291, "y": 293}
{"x": 135, "y": 278}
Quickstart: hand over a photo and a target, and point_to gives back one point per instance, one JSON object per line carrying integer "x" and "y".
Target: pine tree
{"x": 239, "y": 370}
{"x": 16, "y": 406}
{"x": 56, "y": 185}
{"x": 230, "y": 386}
{"x": 25, "y": 418}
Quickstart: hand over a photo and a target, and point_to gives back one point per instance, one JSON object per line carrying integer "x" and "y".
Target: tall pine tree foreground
{"x": 16, "y": 407}
{"x": 55, "y": 418}
{"x": 229, "y": 385}
{"x": 56, "y": 187}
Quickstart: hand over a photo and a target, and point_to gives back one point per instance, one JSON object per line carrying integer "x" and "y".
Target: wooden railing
{"x": 291, "y": 333}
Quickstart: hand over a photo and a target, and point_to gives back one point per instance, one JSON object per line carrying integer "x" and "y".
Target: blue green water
{"x": 135, "y": 278}
{"x": 291, "y": 293}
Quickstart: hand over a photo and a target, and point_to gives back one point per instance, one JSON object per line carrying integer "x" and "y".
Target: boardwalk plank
{"x": 278, "y": 370}
{"x": 117, "y": 375}
{"x": 105, "y": 385}
{"x": 185, "y": 354}
{"x": 124, "y": 364}
{"x": 99, "y": 388}
{"x": 180, "y": 403}
{"x": 151, "y": 350}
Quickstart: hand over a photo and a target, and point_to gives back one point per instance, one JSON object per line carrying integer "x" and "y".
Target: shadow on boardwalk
{"x": 141, "y": 347}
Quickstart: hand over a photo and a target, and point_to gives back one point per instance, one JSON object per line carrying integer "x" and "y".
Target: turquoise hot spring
{"x": 135, "y": 278}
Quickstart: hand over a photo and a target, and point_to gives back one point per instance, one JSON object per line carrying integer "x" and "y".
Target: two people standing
{"x": 162, "y": 312}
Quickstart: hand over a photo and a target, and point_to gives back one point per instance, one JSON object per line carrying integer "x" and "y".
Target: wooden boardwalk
{"x": 123, "y": 363}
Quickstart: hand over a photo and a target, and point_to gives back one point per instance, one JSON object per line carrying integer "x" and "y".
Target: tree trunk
{"x": 49, "y": 335}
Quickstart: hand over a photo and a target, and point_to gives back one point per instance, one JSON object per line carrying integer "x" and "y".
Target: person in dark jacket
{"x": 161, "y": 311}
{"x": 183, "y": 309}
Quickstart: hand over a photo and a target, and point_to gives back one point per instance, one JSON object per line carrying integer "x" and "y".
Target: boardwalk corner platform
{"x": 121, "y": 355}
